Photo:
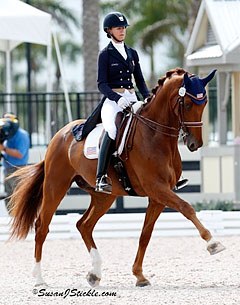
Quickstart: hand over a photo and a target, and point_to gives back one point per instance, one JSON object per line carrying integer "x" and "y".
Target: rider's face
{"x": 118, "y": 32}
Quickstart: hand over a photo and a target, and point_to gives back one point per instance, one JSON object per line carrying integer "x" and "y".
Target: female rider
{"x": 117, "y": 65}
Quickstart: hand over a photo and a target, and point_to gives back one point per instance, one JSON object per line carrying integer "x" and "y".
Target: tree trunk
{"x": 90, "y": 42}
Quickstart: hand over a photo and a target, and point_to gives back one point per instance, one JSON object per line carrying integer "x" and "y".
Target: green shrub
{"x": 213, "y": 205}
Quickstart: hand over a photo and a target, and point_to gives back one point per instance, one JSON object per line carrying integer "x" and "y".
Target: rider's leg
{"x": 108, "y": 114}
{"x": 103, "y": 183}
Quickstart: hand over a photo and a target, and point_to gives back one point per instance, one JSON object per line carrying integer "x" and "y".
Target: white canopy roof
{"x": 20, "y": 22}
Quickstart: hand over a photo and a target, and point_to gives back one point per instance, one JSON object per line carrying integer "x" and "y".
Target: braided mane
{"x": 169, "y": 74}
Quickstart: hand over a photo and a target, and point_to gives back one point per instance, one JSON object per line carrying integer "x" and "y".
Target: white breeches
{"x": 109, "y": 112}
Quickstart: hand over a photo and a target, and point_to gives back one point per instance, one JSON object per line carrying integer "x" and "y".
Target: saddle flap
{"x": 92, "y": 143}
{"x": 93, "y": 140}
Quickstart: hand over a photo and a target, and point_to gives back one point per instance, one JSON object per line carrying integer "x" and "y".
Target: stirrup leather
{"x": 104, "y": 185}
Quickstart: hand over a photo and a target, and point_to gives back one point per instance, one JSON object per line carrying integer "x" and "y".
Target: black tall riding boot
{"x": 103, "y": 183}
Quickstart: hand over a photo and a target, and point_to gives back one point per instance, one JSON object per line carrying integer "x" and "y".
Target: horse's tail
{"x": 26, "y": 199}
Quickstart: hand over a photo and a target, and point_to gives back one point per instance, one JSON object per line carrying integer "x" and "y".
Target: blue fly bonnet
{"x": 194, "y": 87}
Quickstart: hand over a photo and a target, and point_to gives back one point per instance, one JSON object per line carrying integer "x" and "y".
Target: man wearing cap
{"x": 14, "y": 150}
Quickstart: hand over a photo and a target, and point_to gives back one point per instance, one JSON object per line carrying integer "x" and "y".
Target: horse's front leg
{"x": 174, "y": 202}
{"x": 153, "y": 211}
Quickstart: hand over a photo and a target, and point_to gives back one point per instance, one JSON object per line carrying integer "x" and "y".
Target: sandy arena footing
{"x": 180, "y": 270}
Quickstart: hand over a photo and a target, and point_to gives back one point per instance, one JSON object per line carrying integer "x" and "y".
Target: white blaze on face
{"x": 96, "y": 262}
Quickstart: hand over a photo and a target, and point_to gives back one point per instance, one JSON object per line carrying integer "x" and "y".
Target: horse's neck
{"x": 160, "y": 110}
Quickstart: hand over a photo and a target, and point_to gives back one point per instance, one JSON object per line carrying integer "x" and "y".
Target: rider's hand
{"x": 123, "y": 103}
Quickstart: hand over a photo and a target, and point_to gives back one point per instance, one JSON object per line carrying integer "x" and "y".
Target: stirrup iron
{"x": 104, "y": 185}
{"x": 180, "y": 184}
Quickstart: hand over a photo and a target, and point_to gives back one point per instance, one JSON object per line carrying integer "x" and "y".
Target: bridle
{"x": 185, "y": 124}
{"x": 168, "y": 130}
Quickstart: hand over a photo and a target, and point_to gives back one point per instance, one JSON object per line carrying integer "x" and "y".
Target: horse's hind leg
{"x": 100, "y": 204}
{"x": 53, "y": 193}
{"x": 153, "y": 211}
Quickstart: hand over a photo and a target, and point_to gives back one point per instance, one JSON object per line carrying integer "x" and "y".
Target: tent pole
{"x": 49, "y": 90}
{"x": 68, "y": 106}
{"x": 8, "y": 77}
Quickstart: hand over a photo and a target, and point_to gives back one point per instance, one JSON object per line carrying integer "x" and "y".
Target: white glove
{"x": 123, "y": 103}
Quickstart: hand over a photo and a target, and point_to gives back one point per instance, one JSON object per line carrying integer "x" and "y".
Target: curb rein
{"x": 170, "y": 131}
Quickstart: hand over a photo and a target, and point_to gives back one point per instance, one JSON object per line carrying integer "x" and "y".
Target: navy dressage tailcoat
{"x": 115, "y": 72}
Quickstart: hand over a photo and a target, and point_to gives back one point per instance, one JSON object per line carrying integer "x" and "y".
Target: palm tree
{"x": 62, "y": 16}
{"x": 65, "y": 19}
{"x": 153, "y": 21}
{"x": 90, "y": 9}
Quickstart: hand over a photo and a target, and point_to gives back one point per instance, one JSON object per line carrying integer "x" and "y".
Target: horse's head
{"x": 187, "y": 96}
{"x": 181, "y": 97}
{"x": 191, "y": 102}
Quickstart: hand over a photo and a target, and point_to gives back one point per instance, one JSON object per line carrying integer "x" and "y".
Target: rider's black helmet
{"x": 114, "y": 19}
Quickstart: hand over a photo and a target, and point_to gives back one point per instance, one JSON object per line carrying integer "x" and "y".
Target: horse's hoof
{"x": 215, "y": 247}
{"x": 93, "y": 280}
{"x": 143, "y": 283}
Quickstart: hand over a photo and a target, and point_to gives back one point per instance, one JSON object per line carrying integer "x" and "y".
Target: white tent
{"x": 20, "y": 22}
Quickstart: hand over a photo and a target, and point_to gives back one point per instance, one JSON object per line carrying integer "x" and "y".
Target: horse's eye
{"x": 188, "y": 106}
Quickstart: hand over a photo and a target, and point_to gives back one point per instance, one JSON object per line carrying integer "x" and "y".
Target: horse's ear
{"x": 186, "y": 79}
{"x": 207, "y": 79}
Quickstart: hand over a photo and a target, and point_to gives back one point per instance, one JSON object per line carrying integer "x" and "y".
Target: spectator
{"x": 14, "y": 147}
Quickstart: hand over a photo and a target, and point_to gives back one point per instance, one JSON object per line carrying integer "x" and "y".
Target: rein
{"x": 168, "y": 130}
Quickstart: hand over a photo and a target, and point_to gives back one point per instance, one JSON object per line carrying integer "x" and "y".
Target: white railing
{"x": 130, "y": 225}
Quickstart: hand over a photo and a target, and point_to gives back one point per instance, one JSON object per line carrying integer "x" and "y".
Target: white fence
{"x": 130, "y": 225}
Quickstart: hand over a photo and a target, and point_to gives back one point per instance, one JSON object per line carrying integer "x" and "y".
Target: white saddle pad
{"x": 91, "y": 146}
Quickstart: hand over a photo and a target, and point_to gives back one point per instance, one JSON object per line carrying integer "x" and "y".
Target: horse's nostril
{"x": 193, "y": 147}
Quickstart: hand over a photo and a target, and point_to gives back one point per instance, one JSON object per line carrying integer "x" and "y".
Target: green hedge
{"x": 214, "y": 205}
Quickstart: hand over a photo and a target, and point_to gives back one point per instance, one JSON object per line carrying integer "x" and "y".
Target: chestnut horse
{"x": 153, "y": 166}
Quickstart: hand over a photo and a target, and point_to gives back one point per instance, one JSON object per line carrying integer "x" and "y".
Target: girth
{"x": 118, "y": 161}
{"x": 121, "y": 123}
